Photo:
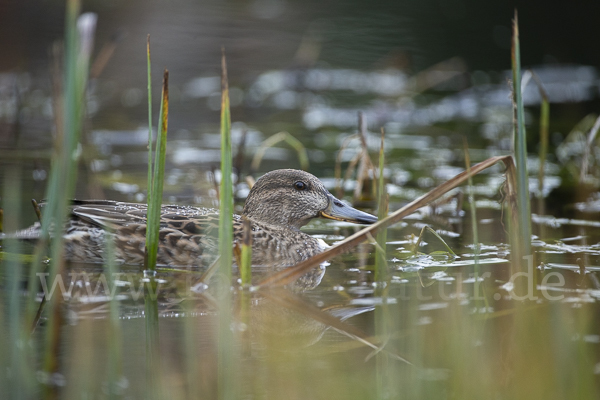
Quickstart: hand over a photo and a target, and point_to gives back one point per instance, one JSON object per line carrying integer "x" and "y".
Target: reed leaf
{"x": 152, "y": 238}
{"x": 522, "y": 244}
{"x": 246, "y": 257}
{"x": 365, "y": 174}
{"x": 155, "y": 201}
{"x": 63, "y": 175}
{"x": 226, "y": 186}
{"x": 115, "y": 362}
{"x": 383, "y": 318}
{"x": 149, "y": 187}
{"x": 226, "y": 374}
{"x": 380, "y": 261}
{"x": 22, "y": 372}
{"x": 473, "y": 208}
{"x": 153, "y": 389}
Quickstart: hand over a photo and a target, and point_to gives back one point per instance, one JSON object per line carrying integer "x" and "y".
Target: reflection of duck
{"x": 277, "y": 206}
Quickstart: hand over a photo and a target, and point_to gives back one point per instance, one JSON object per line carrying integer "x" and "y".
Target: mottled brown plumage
{"x": 277, "y": 206}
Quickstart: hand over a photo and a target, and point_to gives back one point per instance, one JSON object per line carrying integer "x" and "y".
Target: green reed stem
{"x": 115, "y": 362}
{"x": 155, "y": 190}
{"x": 474, "y": 226}
{"x": 544, "y": 128}
{"x": 245, "y": 294}
{"x": 190, "y": 343}
{"x": 153, "y": 376}
{"x": 226, "y": 374}
{"x": 473, "y": 210}
{"x": 149, "y": 188}
{"x": 226, "y": 186}
{"x": 16, "y": 363}
{"x": 523, "y": 241}
{"x": 78, "y": 48}
{"x": 155, "y": 201}
{"x": 380, "y": 259}
{"x": 246, "y": 258}
{"x": 382, "y": 315}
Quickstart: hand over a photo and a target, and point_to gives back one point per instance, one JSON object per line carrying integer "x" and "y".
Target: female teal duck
{"x": 277, "y": 206}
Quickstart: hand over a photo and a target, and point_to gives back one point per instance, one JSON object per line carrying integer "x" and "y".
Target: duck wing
{"x": 114, "y": 215}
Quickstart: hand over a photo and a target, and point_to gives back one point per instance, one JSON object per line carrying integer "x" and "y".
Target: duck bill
{"x": 342, "y": 212}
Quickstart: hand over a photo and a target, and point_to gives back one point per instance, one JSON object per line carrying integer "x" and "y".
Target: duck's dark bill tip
{"x": 341, "y": 212}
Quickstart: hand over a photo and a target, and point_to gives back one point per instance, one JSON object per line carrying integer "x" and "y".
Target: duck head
{"x": 289, "y": 197}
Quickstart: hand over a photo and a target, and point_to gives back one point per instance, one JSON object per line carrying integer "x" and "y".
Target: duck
{"x": 277, "y": 206}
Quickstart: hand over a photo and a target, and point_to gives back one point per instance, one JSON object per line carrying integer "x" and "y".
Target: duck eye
{"x": 300, "y": 185}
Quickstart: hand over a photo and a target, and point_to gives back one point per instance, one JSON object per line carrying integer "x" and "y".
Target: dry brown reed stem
{"x": 339, "y": 183}
{"x": 349, "y": 170}
{"x": 365, "y": 165}
{"x": 362, "y": 123}
{"x": 288, "y": 275}
{"x": 36, "y": 208}
{"x": 105, "y": 54}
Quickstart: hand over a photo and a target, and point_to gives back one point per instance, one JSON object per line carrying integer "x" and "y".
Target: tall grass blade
{"x": 246, "y": 258}
{"x": 115, "y": 362}
{"x": 226, "y": 186}
{"x": 380, "y": 260}
{"x": 78, "y": 49}
{"x": 245, "y": 265}
{"x": 226, "y": 375}
{"x": 153, "y": 376}
{"x": 473, "y": 211}
{"x": 474, "y": 227}
{"x": 523, "y": 240}
{"x": 543, "y": 151}
{"x": 365, "y": 175}
{"x": 382, "y": 313}
{"x": 22, "y": 381}
{"x": 149, "y": 188}
{"x": 152, "y": 237}
{"x": 544, "y": 124}
{"x": 155, "y": 201}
